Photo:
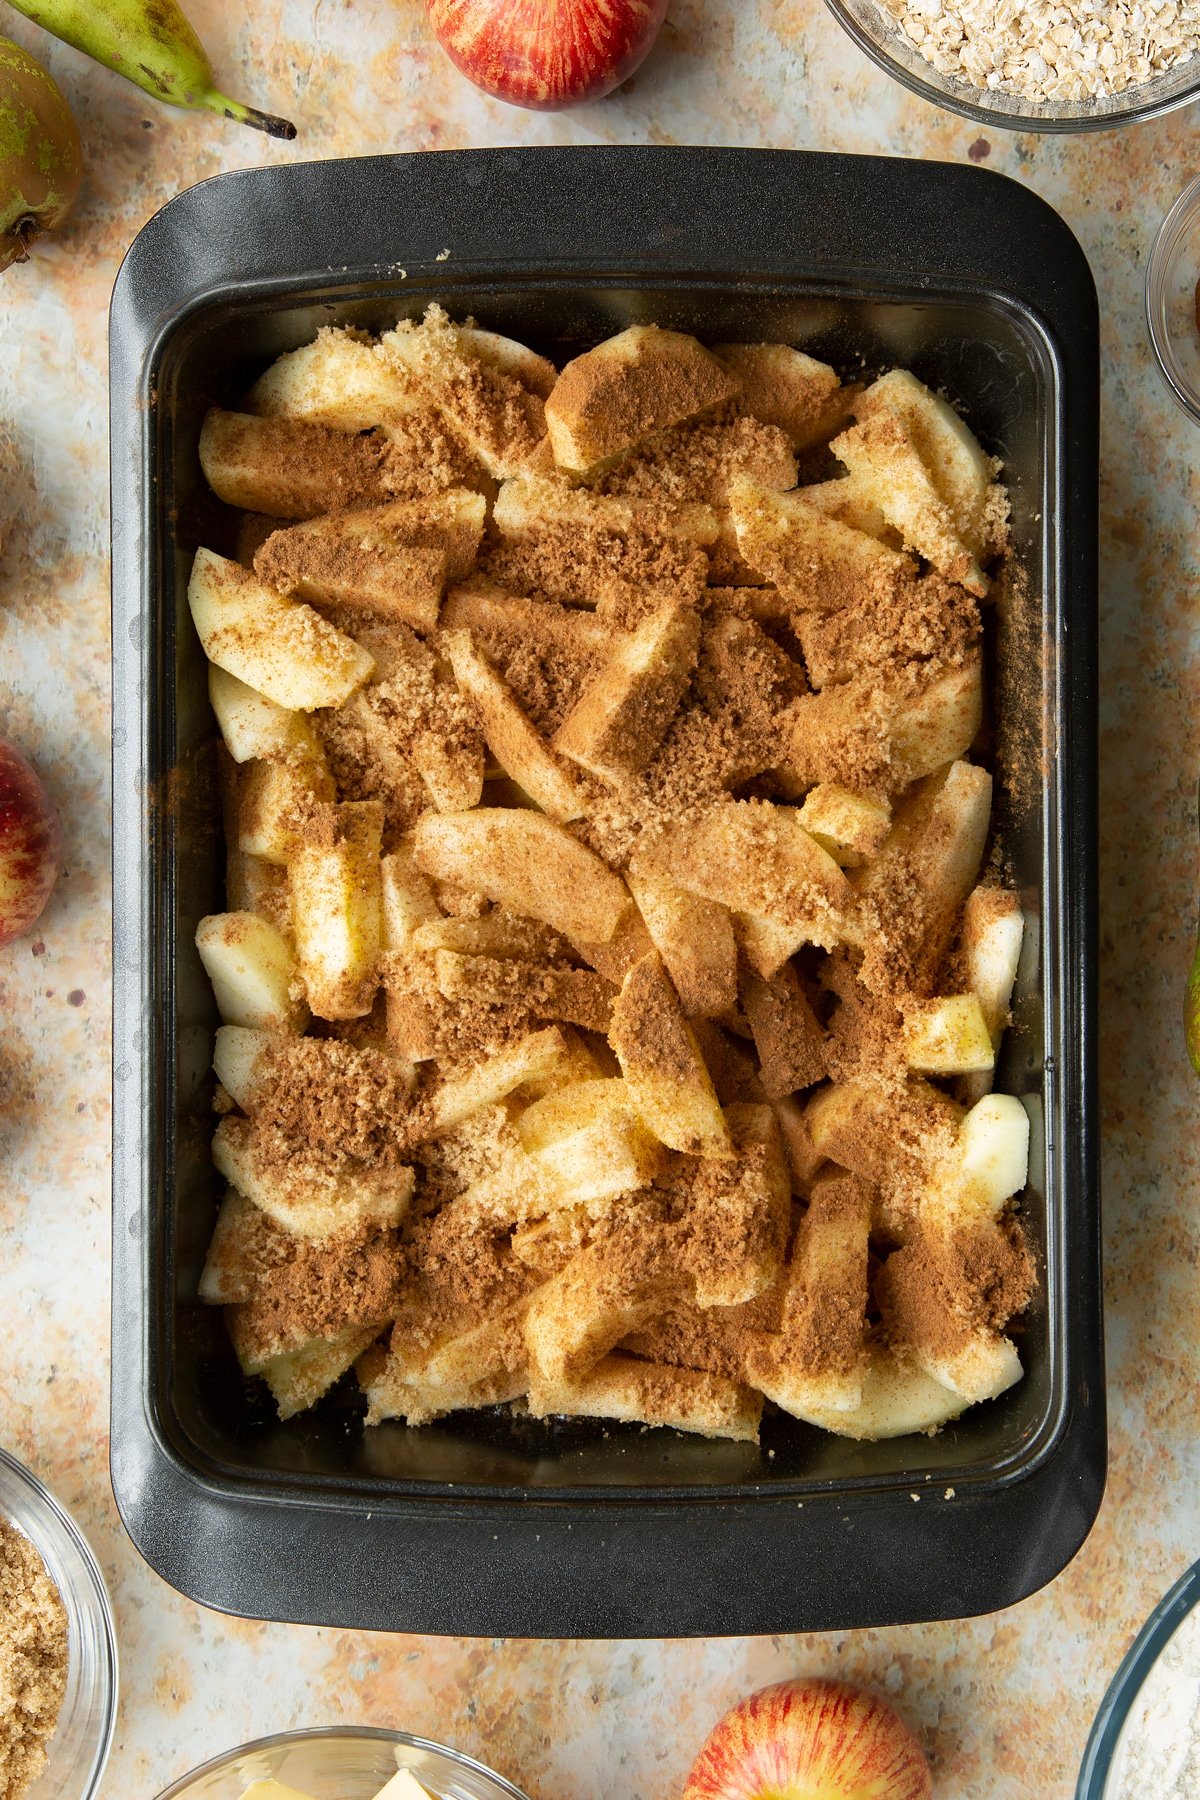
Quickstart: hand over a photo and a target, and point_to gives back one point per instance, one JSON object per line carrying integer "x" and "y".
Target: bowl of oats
{"x": 58, "y": 1656}
{"x": 1055, "y": 65}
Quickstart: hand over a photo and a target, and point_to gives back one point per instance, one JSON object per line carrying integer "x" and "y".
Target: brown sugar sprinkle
{"x": 698, "y": 460}
{"x": 424, "y": 457}
{"x": 822, "y": 1325}
{"x": 935, "y": 1291}
{"x": 795, "y": 657}
{"x": 926, "y": 620}
{"x": 459, "y": 1275}
{"x": 712, "y": 1338}
{"x": 33, "y": 1661}
{"x": 865, "y": 1028}
{"x": 492, "y": 411}
{"x": 311, "y": 1291}
{"x": 340, "y": 1104}
{"x": 370, "y": 759}
{"x": 626, "y": 576}
{"x": 302, "y": 469}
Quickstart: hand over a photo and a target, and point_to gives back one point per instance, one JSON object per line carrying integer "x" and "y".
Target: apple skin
{"x": 546, "y": 54}
{"x": 810, "y": 1740}
{"x": 31, "y": 844}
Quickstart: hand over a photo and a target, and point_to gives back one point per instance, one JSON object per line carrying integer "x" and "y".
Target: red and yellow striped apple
{"x": 31, "y": 844}
{"x": 546, "y": 54}
{"x": 810, "y": 1740}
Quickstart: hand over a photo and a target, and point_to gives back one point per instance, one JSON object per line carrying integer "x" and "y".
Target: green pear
{"x": 151, "y": 43}
{"x": 41, "y": 160}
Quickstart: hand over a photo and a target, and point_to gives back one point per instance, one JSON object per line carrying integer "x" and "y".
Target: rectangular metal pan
{"x": 486, "y": 1524}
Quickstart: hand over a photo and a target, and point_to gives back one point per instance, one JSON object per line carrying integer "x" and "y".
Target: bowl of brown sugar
{"x": 58, "y": 1659}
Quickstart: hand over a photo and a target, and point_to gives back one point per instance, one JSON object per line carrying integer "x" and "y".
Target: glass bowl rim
{"x": 938, "y": 92}
{"x": 308, "y": 1733}
{"x": 94, "y": 1594}
{"x": 1184, "y": 207}
{"x": 1176, "y": 1605}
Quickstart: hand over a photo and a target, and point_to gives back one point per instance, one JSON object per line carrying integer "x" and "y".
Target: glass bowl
{"x": 1101, "y": 1775}
{"x": 877, "y": 33}
{"x": 78, "y": 1749}
{"x": 342, "y": 1763}
{"x": 1171, "y": 276}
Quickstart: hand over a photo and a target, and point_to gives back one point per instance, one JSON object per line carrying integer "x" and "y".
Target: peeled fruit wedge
{"x": 403, "y": 1786}
{"x": 41, "y": 160}
{"x": 810, "y": 1740}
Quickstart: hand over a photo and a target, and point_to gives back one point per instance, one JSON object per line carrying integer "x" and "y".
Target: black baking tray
{"x": 486, "y": 1524}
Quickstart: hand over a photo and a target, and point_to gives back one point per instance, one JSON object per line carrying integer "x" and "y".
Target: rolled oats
{"x": 1067, "y": 50}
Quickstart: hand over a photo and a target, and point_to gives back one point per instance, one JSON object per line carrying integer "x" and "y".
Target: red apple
{"x": 31, "y": 844}
{"x": 810, "y": 1740}
{"x": 546, "y": 54}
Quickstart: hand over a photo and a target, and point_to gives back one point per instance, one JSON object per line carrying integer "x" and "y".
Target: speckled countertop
{"x": 1003, "y": 1703}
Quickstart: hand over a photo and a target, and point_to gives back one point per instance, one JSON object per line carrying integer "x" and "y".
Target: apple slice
{"x": 850, "y": 826}
{"x": 662, "y": 1065}
{"x": 486, "y": 405}
{"x": 298, "y": 1378}
{"x": 541, "y": 1054}
{"x": 341, "y": 380}
{"x": 407, "y": 899}
{"x": 254, "y": 726}
{"x": 881, "y": 454}
{"x": 755, "y": 857}
{"x": 641, "y": 381}
{"x": 302, "y": 1197}
{"x": 606, "y": 1291}
{"x": 810, "y": 1740}
{"x": 277, "y": 802}
{"x": 280, "y": 647}
{"x": 960, "y": 470}
{"x": 622, "y": 715}
{"x": 288, "y": 468}
{"x": 695, "y": 939}
{"x": 814, "y": 560}
{"x": 511, "y": 738}
{"x": 527, "y": 506}
{"x": 784, "y": 387}
{"x": 337, "y": 911}
{"x": 989, "y": 947}
{"x": 577, "y": 1107}
{"x": 947, "y": 1036}
{"x": 788, "y": 1036}
{"x": 404, "y": 1784}
{"x": 526, "y": 863}
{"x": 647, "y": 1393}
{"x": 252, "y": 971}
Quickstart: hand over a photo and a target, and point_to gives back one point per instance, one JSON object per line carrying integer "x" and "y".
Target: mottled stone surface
{"x": 1002, "y": 1703}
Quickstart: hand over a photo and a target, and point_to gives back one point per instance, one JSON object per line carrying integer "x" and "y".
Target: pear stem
{"x": 248, "y": 115}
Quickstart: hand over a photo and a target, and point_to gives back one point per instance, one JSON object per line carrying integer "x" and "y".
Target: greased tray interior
{"x": 489, "y": 1523}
